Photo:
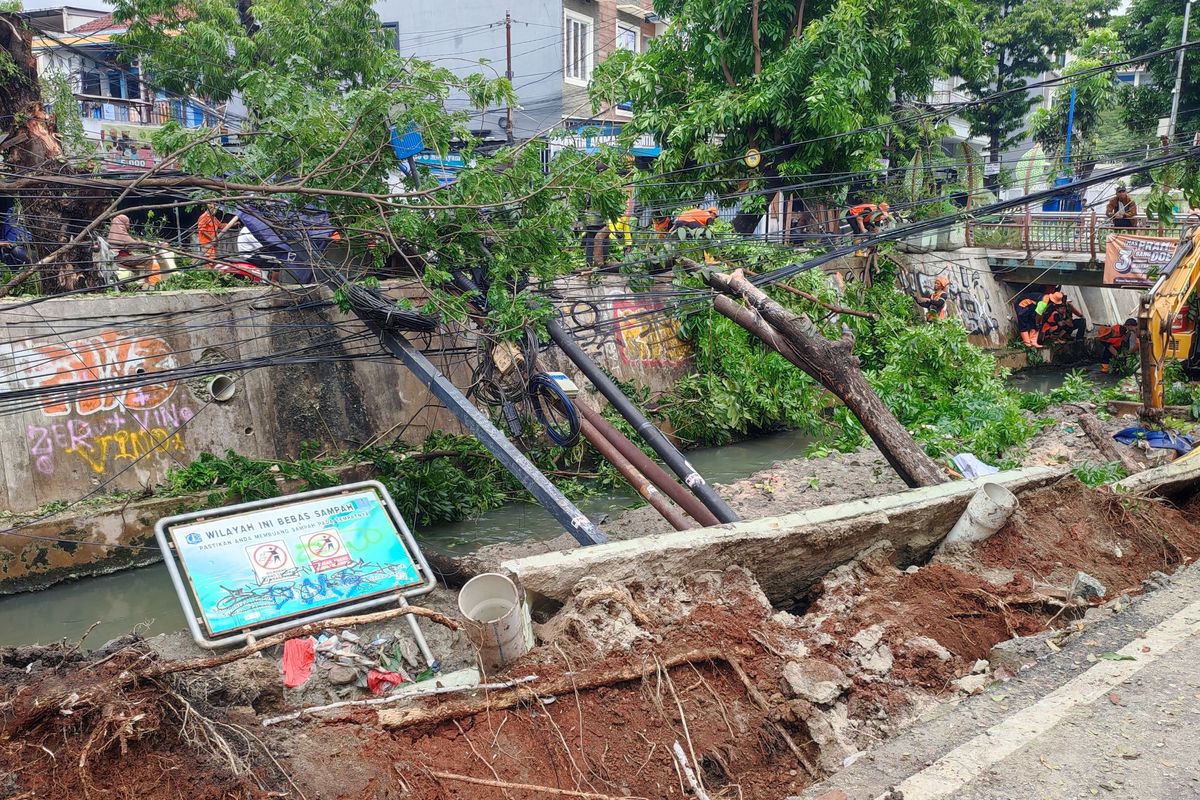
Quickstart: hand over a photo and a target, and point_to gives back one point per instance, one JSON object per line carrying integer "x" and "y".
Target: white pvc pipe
{"x": 987, "y": 512}
{"x": 498, "y": 623}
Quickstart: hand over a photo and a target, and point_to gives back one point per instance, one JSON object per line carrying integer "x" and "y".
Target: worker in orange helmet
{"x": 935, "y": 303}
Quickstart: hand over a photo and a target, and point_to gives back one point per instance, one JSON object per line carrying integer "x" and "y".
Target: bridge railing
{"x": 1061, "y": 232}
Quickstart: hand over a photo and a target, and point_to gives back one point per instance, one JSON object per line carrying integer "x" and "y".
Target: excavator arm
{"x": 1159, "y": 309}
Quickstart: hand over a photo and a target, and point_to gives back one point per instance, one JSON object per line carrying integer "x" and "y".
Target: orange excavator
{"x": 1167, "y": 323}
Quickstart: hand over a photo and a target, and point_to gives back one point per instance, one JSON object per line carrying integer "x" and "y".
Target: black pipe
{"x": 645, "y": 428}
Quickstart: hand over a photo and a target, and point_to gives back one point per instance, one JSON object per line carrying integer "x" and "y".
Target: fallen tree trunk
{"x": 1104, "y": 443}
{"x": 831, "y": 363}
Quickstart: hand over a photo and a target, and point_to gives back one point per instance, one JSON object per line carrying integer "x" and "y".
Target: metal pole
{"x": 640, "y": 483}
{"x": 508, "y": 123}
{"x": 571, "y": 518}
{"x": 652, "y": 435}
{"x": 1187, "y": 13}
{"x": 648, "y": 467}
{"x": 1070, "y": 129}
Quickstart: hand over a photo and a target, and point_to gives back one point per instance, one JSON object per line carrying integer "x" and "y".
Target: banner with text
{"x": 1136, "y": 260}
{"x": 296, "y": 558}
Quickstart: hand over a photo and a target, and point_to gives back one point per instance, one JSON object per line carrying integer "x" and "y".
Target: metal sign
{"x": 265, "y": 566}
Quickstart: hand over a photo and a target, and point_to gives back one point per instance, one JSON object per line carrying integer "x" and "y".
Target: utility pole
{"x": 1187, "y": 13}
{"x": 508, "y": 126}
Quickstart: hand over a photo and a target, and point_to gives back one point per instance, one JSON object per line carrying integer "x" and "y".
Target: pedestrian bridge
{"x": 1058, "y": 248}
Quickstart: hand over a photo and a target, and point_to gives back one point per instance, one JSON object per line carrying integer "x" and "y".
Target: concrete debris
{"x": 830, "y": 731}
{"x": 879, "y": 660}
{"x": 815, "y": 681}
{"x": 923, "y": 644}
{"x": 1086, "y": 587}
{"x": 1016, "y": 654}
{"x": 979, "y": 667}
{"x": 868, "y": 638}
{"x": 1156, "y": 580}
{"x": 342, "y": 675}
{"x": 972, "y": 684}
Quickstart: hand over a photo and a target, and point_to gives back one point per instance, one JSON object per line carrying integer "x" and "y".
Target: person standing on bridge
{"x": 1121, "y": 211}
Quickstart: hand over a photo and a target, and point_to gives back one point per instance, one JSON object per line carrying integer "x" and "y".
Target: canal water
{"x": 145, "y": 597}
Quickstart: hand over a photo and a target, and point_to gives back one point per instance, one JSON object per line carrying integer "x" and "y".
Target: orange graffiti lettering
{"x": 80, "y": 369}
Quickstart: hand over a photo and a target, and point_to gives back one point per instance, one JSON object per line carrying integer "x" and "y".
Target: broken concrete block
{"x": 815, "y": 681}
{"x": 878, "y": 660}
{"x": 1016, "y": 654}
{"x": 1156, "y": 580}
{"x": 979, "y": 667}
{"x": 1087, "y": 587}
{"x": 924, "y": 644}
{"x": 972, "y": 684}
{"x": 829, "y": 730}
{"x": 868, "y": 638}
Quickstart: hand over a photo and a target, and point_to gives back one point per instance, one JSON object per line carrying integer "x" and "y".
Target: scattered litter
{"x": 1161, "y": 440}
{"x": 379, "y": 682}
{"x": 298, "y": 656}
{"x": 972, "y": 467}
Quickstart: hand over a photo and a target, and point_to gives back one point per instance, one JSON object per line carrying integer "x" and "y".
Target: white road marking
{"x": 965, "y": 763}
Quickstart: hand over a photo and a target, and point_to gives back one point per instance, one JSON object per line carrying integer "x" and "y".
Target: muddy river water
{"x": 145, "y": 596}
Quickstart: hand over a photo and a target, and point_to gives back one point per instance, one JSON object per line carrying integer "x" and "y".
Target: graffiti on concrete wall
{"x": 641, "y": 331}
{"x": 967, "y": 292}
{"x": 98, "y": 413}
{"x": 87, "y": 364}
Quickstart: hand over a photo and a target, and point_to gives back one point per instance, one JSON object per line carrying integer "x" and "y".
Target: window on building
{"x": 391, "y": 33}
{"x": 114, "y": 84}
{"x": 90, "y": 83}
{"x": 628, "y": 37}
{"x": 577, "y": 48}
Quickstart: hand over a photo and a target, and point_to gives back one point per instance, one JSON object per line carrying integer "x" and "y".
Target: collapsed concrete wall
{"x": 786, "y": 554}
{"x": 983, "y": 300}
{"x": 294, "y": 375}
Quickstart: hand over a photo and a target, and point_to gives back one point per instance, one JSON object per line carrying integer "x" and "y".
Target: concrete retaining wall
{"x": 787, "y": 554}
{"x": 983, "y": 301}
{"x": 65, "y": 447}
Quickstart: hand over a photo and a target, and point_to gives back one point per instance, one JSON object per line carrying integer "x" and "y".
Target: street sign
{"x": 991, "y": 168}
{"x": 269, "y": 565}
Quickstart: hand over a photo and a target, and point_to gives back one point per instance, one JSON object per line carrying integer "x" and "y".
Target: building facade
{"x": 119, "y": 106}
{"x": 555, "y": 45}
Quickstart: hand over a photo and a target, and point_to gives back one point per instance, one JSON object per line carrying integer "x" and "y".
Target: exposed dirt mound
{"x": 1069, "y": 527}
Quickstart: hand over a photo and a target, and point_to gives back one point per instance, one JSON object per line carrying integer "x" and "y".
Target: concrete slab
{"x": 1165, "y": 481}
{"x": 787, "y": 554}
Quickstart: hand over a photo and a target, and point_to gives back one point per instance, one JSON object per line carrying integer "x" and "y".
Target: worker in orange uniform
{"x": 1112, "y": 339}
{"x": 209, "y": 229}
{"x": 935, "y": 303}
{"x": 695, "y": 218}
{"x": 867, "y": 218}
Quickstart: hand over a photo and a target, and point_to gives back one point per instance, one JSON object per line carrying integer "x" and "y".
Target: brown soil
{"x": 892, "y": 640}
{"x": 1069, "y": 527}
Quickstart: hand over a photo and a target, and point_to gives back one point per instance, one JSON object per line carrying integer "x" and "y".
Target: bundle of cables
{"x": 373, "y": 307}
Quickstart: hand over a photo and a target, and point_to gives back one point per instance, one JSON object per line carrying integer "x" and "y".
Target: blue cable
{"x": 539, "y": 385}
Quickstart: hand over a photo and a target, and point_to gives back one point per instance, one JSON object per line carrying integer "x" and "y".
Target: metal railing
{"x": 141, "y": 112}
{"x": 1085, "y": 232}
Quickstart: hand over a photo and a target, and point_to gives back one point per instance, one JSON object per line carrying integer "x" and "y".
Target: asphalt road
{"x": 1114, "y": 714}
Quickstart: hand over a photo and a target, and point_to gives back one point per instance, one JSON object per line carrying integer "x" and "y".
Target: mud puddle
{"x": 636, "y": 684}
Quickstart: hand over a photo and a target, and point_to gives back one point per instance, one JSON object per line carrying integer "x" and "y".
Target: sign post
{"x": 263, "y": 567}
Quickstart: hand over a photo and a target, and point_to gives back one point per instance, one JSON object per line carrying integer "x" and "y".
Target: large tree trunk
{"x": 831, "y": 363}
{"x": 30, "y": 145}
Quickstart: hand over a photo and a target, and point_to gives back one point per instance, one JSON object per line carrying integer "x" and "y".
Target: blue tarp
{"x": 1162, "y": 440}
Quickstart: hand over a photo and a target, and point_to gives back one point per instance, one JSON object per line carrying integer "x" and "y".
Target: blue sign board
{"x": 293, "y": 559}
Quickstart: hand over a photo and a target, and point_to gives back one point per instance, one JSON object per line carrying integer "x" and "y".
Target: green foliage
{"x": 199, "y": 278}
{"x": 697, "y": 91}
{"x": 1095, "y": 94}
{"x": 1020, "y": 41}
{"x": 323, "y": 89}
{"x": 1091, "y": 474}
{"x": 10, "y": 6}
{"x": 1150, "y": 25}
{"x": 57, "y": 93}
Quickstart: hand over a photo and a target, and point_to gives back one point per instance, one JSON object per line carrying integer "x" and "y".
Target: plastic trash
{"x": 297, "y": 664}
{"x": 972, "y": 467}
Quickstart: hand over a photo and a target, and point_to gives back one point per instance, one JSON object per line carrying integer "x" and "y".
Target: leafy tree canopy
{"x": 1095, "y": 94}
{"x": 1021, "y": 39}
{"x": 323, "y": 89}
{"x": 1151, "y": 25}
{"x": 812, "y": 85}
